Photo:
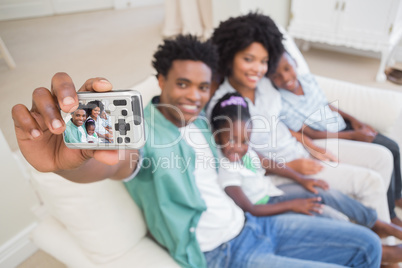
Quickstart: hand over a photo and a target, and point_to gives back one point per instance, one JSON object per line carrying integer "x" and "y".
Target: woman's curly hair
{"x": 184, "y": 47}
{"x": 237, "y": 33}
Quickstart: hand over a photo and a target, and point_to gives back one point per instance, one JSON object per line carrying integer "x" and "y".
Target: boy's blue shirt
{"x": 168, "y": 196}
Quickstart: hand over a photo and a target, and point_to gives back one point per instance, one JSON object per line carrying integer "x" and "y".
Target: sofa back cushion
{"x": 103, "y": 219}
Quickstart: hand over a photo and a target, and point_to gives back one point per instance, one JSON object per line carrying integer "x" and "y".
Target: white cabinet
{"x": 374, "y": 25}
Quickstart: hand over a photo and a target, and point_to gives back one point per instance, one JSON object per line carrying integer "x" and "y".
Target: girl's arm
{"x": 305, "y": 206}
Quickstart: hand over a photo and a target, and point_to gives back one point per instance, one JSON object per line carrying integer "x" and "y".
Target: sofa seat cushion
{"x": 146, "y": 253}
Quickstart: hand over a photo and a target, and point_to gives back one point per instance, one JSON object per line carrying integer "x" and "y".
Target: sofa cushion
{"x": 101, "y": 217}
{"x": 146, "y": 253}
{"x": 378, "y": 107}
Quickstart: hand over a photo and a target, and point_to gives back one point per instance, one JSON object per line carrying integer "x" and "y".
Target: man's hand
{"x": 39, "y": 130}
{"x": 305, "y": 166}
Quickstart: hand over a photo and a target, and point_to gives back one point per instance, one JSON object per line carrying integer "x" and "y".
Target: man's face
{"x": 78, "y": 117}
{"x": 185, "y": 91}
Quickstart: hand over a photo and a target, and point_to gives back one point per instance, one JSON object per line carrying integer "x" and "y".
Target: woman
{"x": 94, "y": 109}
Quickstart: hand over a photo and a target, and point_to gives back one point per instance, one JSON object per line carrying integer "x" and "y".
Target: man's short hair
{"x": 80, "y": 107}
{"x": 184, "y": 47}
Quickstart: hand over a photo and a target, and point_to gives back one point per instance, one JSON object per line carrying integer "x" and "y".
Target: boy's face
{"x": 90, "y": 130}
{"x": 234, "y": 139}
{"x": 185, "y": 91}
{"x": 248, "y": 67}
{"x": 103, "y": 115}
{"x": 285, "y": 76}
{"x": 78, "y": 117}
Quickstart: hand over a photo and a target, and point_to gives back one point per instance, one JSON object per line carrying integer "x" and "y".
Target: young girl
{"x": 91, "y": 135}
{"x": 305, "y": 108}
{"x": 241, "y": 175}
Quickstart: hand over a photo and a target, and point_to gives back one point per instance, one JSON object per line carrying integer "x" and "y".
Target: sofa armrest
{"x": 52, "y": 237}
{"x": 379, "y": 108}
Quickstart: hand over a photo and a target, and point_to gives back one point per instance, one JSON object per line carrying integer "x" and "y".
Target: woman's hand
{"x": 305, "y": 166}
{"x": 323, "y": 155}
{"x": 310, "y": 184}
{"x": 307, "y": 206}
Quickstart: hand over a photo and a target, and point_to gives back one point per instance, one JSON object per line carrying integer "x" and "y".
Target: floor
{"x": 117, "y": 45}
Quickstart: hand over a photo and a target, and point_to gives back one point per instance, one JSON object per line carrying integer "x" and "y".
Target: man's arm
{"x": 39, "y": 135}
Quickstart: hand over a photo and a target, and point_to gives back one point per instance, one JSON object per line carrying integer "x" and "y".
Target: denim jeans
{"x": 353, "y": 209}
{"x": 296, "y": 241}
{"x": 395, "y": 187}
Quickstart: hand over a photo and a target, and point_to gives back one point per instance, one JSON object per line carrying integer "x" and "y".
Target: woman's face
{"x": 95, "y": 112}
{"x": 249, "y": 66}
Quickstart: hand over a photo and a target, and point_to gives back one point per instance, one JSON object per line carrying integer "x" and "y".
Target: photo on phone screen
{"x": 90, "y": 123}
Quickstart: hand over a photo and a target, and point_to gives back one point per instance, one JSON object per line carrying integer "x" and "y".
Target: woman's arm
{"x": 315, "y": 150}
{"x": 286, "y": 171}
{"x": 305, "y": 206}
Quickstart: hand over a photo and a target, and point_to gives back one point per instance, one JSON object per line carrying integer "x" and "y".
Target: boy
{"x": 185, "y": 209}
{"x": 305, "y": 109}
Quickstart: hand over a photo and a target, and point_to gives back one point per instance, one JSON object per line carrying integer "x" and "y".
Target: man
{"x": 75, "y": 132}
{"x": 185, "y": 209}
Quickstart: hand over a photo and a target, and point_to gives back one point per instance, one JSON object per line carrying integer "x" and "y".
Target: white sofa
{"x": 98, "y": 224}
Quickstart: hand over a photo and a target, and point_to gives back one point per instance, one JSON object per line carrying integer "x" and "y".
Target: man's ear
{"x": 161, "y": 81}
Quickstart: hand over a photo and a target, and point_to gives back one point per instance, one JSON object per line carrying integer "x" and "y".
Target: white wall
{"x": 277, "y": 10}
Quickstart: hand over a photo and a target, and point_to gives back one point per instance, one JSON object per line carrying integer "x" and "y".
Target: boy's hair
{"x": 230, "y": 108}
{"x": 89, "y": 122}
{"x": 237, "y": 33}
{"x": 184, "y": 47}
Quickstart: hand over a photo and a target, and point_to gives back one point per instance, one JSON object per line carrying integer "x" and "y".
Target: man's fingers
{"x": 107, "y": 157}
{"x": 45, "y": 105}
{"x": 26, "y": 126}
{"x": 64, "y": 90}
{"x": 98, "y": 84}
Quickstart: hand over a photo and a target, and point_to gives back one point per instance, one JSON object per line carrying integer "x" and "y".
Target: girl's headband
{"x": 234, "y": 100}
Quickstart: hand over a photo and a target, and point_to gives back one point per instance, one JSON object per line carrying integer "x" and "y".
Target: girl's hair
{"x": 92, "y": 105}
{"x": 89, "y": 122}
{"x": 236, "y": 34}
{"x": 230, "y": 108}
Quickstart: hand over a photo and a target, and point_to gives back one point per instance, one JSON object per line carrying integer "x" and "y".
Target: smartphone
{"x": 106, "y": 121}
